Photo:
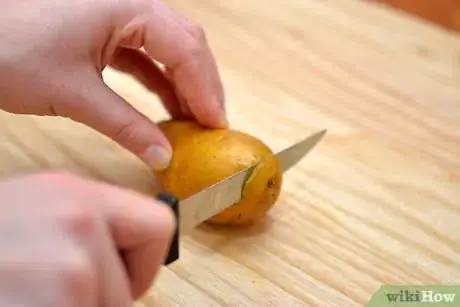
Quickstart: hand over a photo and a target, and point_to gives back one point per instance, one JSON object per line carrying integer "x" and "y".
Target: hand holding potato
{"x": 53, "y": 53}
{"x": 60, "y": 237}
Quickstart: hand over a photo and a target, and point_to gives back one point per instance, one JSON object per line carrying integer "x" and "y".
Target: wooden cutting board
{"x": 377, "y": 201}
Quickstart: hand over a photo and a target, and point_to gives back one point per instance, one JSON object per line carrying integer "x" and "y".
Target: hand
{"x": 53, "y": 53}
{"x": 59, "y": 238}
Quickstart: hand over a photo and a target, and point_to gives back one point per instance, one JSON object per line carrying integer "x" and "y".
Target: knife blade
{"x": 208, "y": 202}
{"x": 293, "y": 154}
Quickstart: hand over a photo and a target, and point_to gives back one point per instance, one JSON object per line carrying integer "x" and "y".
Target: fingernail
{"x": 157, "y": 157}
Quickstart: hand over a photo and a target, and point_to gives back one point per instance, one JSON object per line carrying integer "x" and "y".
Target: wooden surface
{"x": 377, "y": 202}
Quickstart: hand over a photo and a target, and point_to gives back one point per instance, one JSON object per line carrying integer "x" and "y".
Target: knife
{"x": 203, "y": 205}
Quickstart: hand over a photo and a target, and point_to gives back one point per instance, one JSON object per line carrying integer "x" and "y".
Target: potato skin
{"x": 203, "y": 156}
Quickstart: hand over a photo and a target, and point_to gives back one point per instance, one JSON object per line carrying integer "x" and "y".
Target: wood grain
{"x": 377, "y": 202}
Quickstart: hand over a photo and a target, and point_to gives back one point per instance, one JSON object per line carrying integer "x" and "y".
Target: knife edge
{"x": 203, "y": 205}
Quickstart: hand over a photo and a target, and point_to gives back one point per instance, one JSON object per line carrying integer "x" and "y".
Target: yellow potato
{"x": 203, "y": 156}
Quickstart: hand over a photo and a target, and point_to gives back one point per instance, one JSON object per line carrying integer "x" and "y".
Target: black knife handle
{"x": 172, "y": 202}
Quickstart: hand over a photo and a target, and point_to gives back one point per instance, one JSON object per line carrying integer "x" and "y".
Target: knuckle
{"x": 130, "y": 135}
{"x": 197, "y": 31}
{"x": 74, "y": 215}
{"x": 198, "y": 42}
{"x": 78, "y": 218}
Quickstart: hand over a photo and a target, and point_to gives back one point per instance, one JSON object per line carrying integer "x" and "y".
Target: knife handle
{"x": 172, "y": 202}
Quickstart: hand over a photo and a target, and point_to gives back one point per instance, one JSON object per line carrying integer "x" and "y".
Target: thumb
{"x": 103, "y": 110}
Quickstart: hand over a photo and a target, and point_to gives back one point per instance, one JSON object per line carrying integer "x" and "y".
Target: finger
{"x": 142, "y": 228}
{"x": 182, "y": 101}
{"x": 138, "y": 64}
{"x": 114, "y": 282}
{"x": 86, "y": 223}
{"x": 45, "y": 268}
{"x": 61, "y": 257}
{"x": 98, "y": 107}
{"x": 139, "y": 226}
{"x": 182, "y": 47}
{"x": 144, "y": 262}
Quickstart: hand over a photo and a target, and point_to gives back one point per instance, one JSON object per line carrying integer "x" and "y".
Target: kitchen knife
{"x": 203, "y": 205}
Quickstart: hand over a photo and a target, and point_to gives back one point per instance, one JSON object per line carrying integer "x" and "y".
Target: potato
{"x": 203, "y": 156}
